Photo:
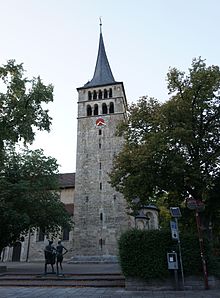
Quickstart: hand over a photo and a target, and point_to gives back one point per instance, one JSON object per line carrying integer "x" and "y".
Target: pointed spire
{"x": 103, "y": 74}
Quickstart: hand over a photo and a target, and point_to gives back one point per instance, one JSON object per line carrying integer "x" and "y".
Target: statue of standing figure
{"x": 60, "y": 254}
{"x": 50, "y": 256}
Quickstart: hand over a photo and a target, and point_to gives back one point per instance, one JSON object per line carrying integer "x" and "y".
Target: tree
{"x": 29, "y": 196}
{"x": 21, "y": 111}
{"x": 173, "y": 147}
{"x": 28, "y": 180}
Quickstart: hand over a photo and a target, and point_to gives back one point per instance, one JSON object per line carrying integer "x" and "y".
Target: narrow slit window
{"x": 100, "y": 132}
{"x": 100, "y": 185}
{"x": 101, "y": 243}
{"x": 100, "y": 166}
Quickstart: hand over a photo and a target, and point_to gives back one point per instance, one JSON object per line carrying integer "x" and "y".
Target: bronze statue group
{"x": 54, "y": 255}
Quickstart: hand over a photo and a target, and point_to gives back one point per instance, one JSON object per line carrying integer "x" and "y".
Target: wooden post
{"x": 201, "y": 245}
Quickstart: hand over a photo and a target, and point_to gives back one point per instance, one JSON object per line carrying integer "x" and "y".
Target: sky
{"x": 58, "y": 40}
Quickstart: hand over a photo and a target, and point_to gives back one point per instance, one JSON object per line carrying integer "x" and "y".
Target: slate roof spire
{"x": 103, "y": 74}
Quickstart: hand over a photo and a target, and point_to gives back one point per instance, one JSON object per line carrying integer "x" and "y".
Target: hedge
{"x": 143, "y": 254}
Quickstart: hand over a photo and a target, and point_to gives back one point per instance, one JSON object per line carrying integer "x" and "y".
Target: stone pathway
{"x": 55, "y": 292}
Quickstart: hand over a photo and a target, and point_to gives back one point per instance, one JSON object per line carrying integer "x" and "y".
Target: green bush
{"x": 191, "y": 257}
{"x": 143, "y": 254}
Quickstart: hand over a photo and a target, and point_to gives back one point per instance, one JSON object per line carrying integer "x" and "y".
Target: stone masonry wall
{"x": 99, "y": 211}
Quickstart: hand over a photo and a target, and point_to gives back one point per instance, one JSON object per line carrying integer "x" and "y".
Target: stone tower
{"x": 99, "y": 211}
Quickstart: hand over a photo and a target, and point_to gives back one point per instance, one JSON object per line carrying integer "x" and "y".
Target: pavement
{"x": 93, "y": 292}
{"x": 38, "y": 267}
{"x": 36, "y": 292}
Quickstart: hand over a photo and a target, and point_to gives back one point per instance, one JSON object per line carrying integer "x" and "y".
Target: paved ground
{"x": 55, "y": 292}
{"x": 37, "y": 268}
{"x": 64, "y": 292}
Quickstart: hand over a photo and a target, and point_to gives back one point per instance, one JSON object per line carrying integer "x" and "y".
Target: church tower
{"x": 99, "y": 211}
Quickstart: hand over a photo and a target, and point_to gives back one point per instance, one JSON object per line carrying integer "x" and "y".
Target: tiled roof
{"x": 103, "y": 74}
{"x": 66, "y": 180}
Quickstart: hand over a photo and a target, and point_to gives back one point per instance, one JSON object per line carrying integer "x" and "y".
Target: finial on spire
{"x": 100, "y": 24}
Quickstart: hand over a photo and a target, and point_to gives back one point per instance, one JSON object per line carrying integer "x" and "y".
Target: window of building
{"x": 101, "y": 243}
{"x": 100, "y": 132}
{"x": 65, "y": 234}
{"x": 105, "y": 93}
{"x": 89, "y": 110}
{"x": 96, "y": 109}
{"x": 100, "y": 166}
{"x": 94, "y": 95}
{"x": 101, "y": 216}
{"x": 40, "y": 234}
{"x": 89, "y": 95}
{"x": 111, "y": 108}
{"x": 104, "y": 108}
{"x": 100, "y": 145}
{"x": 100, "y": 94}
{"x": 100, "y": 185}
{"x": 110, "y": 92}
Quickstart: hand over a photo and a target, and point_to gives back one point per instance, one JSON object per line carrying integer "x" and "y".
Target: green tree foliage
{"x": 174, "y": 147}
{"x": 21, "y": 100}
{"x": 28, "y": 180}
{"x": 29, "y": 195}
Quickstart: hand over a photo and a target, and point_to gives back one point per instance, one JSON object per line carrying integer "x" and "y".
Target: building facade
{"x": 30, "y": 247}
{"x": 99, "y": 211}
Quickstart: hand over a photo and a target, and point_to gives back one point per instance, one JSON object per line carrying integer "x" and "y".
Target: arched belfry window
{"x": 105, "y": 93}
{"x": 89, "y": 95}
{"x": 110, "y": 92}
{"x": 94, "y": 95}
{"x": 96, "y": 109}
{"x": 100, "y": 94}
{"x": 111, "y": 108}
{"x": 104, "y": 108}
{"x": 89, "y": 110}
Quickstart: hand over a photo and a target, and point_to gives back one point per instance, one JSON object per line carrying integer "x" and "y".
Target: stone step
{"x": 68, "y": 280}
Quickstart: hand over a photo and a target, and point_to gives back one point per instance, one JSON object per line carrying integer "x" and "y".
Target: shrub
{"x": 143, "y": 254}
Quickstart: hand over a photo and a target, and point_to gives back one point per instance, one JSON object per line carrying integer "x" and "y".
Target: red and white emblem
{"x": 100, "y": 122}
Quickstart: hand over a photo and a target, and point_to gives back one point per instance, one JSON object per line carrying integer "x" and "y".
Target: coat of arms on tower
{"x": 100, "y": 122}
